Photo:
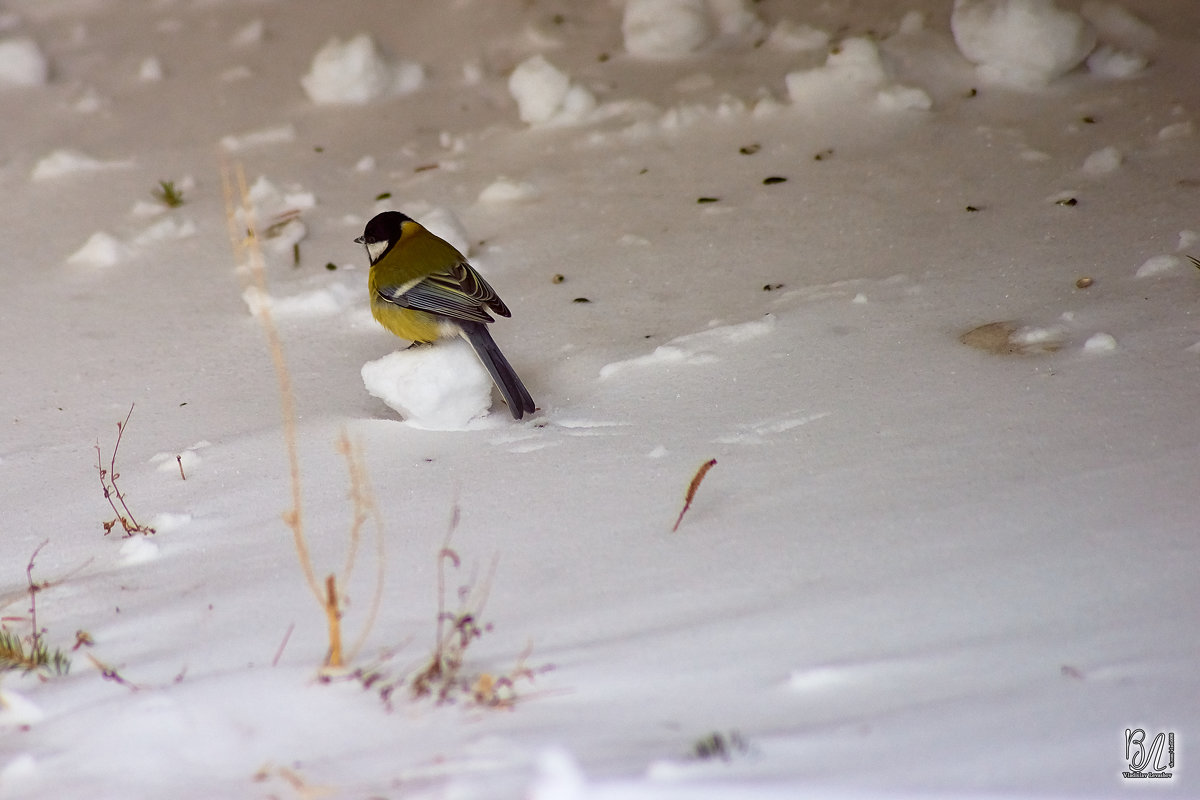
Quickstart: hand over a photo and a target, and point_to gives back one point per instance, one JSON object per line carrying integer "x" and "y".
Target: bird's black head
{"x": 382, "y": 232}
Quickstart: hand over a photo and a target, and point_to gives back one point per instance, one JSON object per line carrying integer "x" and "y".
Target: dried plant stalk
{"x": 692, "y": 487}
{"x": 245, "y": 245}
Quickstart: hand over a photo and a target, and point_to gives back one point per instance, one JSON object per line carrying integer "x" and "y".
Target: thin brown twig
{"x": 249, "y": 246}
{"x": 279, "y": 652}
{"x": 36, "y": 638}
{"x": 365, "y": 507}
{"x": 334, "y": 617}
{"x": 110, "y": 673}
{"x": 108, "y": 483}
{"x": 692, "y": 487}
{"x": 112, "y": 464}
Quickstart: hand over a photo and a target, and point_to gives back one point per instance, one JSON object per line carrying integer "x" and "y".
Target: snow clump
{"x": 665, "y": 28}
{"x": 505, "y": 190}
{"x": 853, "y": 68}
{"x": 1107, "y": 62}
{"x": 1020, "y": 43}
{"x": 100, "y": 250}
{"x": 439, "y": 387}
{"x": 545, "y": 94}
{"x": 68, "y": 162}
{"x": 1102, "y": 162}
{"x": 736, "y": 18}
{"x": 1158, "y": 265}
{"x": 1100, "y": 343}
{"x": 276, "y": 215}
{"x": 794, "y": 38}
{"x": 22, "y": 63}
{"x": 354, "y": 73}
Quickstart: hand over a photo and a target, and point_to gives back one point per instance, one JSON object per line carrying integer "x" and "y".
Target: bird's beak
{"x": 359, "y": 240}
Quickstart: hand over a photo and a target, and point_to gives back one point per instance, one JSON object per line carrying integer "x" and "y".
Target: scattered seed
{"x": 1088, "y": 120}
{"x": 329, "y": 265}
{"x": 972, "y": 208}
{"x": 774, "y": 179}
{"x": 750, "y": 149}
{"x": 558, "y": 278}
{"x": 707, "y": 199}
{"x": 425, "y": 167}
{"x": 972, "y": 92}
{"x": 1066, "y": 201}
{"x": 581, "y": 300}
{"x": 824, "y": 154}
{"x": 1084, "y": 283}
{"x": 771, "y": 287}
{"x": 383, "y": 196}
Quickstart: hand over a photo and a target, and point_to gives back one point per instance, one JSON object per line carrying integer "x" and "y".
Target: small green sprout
{"x": 168, "y": 194}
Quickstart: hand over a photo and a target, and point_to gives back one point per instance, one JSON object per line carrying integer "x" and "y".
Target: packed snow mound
{"x": 276, "y": 215}
{"x": 853, "y": 69}
{"x": 505, "y": 190}
{"x": 665, "y": 28}
{"x": 325, "y": 301}
{"x": 262, "y": 137}
{"x": 546, "y": 95}
{"x": 1020, "y": 43}
{"x": 736, "y": 18}
{"x": 1108, "y": 62}
{"x": 674, "y": 28}
{"x": 22, "y": 63}
{"x": 100, "y": 250}
{"x": 438, "y": 387}
{"x": 68, "y": 162}
{"x": 792, "y": 37}
{"x": 354, "y": 73}
{"x": 1102, "y": 162}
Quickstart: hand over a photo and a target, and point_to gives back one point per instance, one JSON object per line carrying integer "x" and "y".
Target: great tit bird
{"x": 422, "y": 290}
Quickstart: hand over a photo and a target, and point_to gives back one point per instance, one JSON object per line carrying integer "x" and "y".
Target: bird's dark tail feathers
{"x": 515, "y": 393}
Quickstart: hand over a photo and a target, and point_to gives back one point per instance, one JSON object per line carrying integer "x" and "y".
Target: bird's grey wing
{"x": 472, "y": 284}
{"x": 439, "y": 294}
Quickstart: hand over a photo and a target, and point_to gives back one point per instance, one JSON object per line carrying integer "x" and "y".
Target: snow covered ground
{"x": 933, "y": 317}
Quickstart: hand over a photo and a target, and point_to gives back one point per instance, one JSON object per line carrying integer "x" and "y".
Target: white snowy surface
{"x": 940, "y": 335}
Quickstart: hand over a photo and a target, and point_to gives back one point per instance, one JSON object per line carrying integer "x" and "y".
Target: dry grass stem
{"x": 38, "y": 658}
{"x": 692, "y": 487}
{"x": 112, "y": 493}
{"x": 334, "y": 616}
{"x": 362, "y": 497}
{"x": 246, "y": 247}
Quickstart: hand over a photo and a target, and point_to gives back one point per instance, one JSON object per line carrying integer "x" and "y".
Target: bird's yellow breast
{"x": 415, "y": 326}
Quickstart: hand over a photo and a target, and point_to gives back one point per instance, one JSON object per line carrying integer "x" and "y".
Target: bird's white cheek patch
{"x": 375, "y": 250}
